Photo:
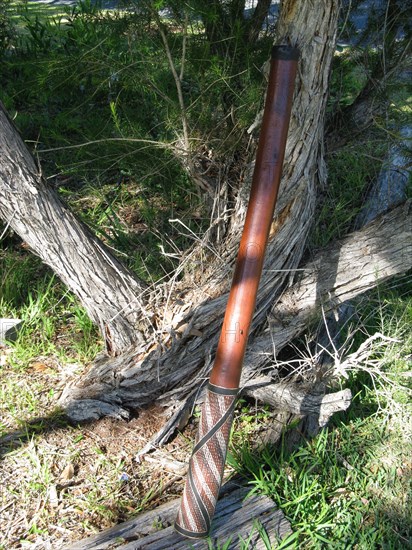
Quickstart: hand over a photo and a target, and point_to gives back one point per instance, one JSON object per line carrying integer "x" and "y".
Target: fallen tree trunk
{"x": 236, "y": 516}
{"x": 342, "y": 271}
{"x": 361, "y": 261}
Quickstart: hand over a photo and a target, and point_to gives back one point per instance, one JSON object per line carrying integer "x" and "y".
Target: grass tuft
{"x": 351, "y": 486}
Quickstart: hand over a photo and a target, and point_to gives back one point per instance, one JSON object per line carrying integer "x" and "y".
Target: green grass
{"x": 54, "y": 323}
{"x": 351, "y": 171}
{"x": 351, "y": 486}
{"x": 347, "y": 79}
{"x": 88, "y": 94}
{"x": 94, "y": 500}
{"x": 20, "y": 8}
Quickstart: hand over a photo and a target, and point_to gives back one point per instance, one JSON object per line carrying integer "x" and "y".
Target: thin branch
{"x": 160, "y": 144}
{"x": 178, "y": 84}
{"x": 183, "y": 60}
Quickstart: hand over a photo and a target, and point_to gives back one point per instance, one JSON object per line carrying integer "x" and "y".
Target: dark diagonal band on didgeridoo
{"x": 209, "y": 454}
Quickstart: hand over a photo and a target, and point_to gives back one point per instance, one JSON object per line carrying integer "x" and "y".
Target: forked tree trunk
{"x": 167, "y": 340}
{"x": 163, "y": 359}
{"x": 179, "y": 355}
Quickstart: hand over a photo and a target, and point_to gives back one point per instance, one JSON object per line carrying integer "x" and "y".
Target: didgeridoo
{"x": 209, "y": 454}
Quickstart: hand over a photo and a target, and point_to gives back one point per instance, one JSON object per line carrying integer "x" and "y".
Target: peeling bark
{"x": 164, "y": 337}
{"x": 171, "y": 330}
{"x": 340, "y": 272}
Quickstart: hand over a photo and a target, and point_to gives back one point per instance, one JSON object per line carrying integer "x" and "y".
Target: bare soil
{"x": 61, "y": 483}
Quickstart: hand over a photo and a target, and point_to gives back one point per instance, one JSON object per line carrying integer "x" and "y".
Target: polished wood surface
{"x": 265, "y": 185}
{"x": 207, "y": 463}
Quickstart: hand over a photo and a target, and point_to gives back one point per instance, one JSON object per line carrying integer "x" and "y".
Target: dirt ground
{"x": 61, "y": 483}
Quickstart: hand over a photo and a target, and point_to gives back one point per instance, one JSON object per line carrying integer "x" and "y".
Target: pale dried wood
{"x": 236, "y": 516}
{"x": 298, "y": 399}
{"x": 342, "y": 271}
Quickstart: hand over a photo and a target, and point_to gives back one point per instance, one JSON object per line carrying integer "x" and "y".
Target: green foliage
{"x": 54, "y": 323}
{"x": 350, "y": 172}
{"x": 17, "y": 273}
{"x": 387, "y": 310}
{"x": 93, "y": 92}
{"x": 328, "y": 487}
{"x": 7, "y": 30}
{"x": 347, "y": 80}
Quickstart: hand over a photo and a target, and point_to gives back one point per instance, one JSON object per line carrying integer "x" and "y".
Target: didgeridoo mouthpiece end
{"x": 288, "y": 53}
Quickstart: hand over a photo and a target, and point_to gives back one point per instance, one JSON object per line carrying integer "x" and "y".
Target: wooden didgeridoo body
{"x": 209, "y": 454}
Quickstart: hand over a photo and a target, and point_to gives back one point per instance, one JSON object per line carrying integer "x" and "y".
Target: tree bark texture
{"x": 340, "y": 272}
{"x": 187, "y": 314}
{"x": 112, "y": 296}
{"x": 286, "y": 396}
{"x": 167, "y": 334}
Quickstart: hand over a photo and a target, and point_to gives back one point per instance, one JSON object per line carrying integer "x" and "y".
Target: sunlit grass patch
{"x": 341, "y": 488}
{"x": 35, "y": 9}
{"x": 24, "y": 399}
{"x": 54, "y": 324}
{"x": 351, "y": 486}
{"x": 65, "y": 487}
{"x": 72, "y": 480}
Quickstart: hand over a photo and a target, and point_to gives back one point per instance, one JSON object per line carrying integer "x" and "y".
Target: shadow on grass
{"x": 37, "y": 426}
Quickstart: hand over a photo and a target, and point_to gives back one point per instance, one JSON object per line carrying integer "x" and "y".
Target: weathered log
{"x": 340, "y": 272}
{"x": 343, "y": 270}
{"x": 298, "y": 399}
{"x": 236, "y": 516}
{"x": 387, "y": 191}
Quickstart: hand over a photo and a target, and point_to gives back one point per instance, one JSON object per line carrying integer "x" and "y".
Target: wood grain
{"x": 236, "y": 516}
